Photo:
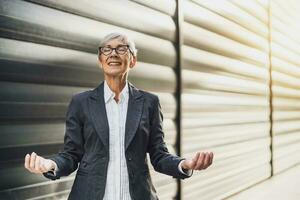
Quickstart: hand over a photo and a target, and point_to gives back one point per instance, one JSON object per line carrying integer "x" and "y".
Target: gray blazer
{"x": 86, "y": 142}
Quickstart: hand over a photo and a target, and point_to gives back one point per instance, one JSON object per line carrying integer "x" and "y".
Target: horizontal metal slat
{"x": 30, "y": 22}
{"x": 199, "y": 60}
{"x": 201, "y": 38}
{"x": 285, "y": 62}
{"x": 253, "y": 8}
{"x": 116, "y": 13}
{"x": 42, "y": 186}
{"x": 228, "y": 10}
{"x": 31, "y": 133}
{"x": 231, "y": 184}
{"x": 167, "y": 6}
{"x": 219, "y": 82}
{"x": 56, "y": 65}
{"x": 225, "y": 151}
{"x": 207, "y": 139}
{"x": 205, "y": 18}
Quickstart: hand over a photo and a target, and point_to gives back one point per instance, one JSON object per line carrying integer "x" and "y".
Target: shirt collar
{"x": 109, "y": 94}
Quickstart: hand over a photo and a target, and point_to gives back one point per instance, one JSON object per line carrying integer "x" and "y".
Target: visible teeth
{"x": 114, "y": 63}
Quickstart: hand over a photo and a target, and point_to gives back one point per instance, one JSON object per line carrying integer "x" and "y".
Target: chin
{"x": 113, "y": 73}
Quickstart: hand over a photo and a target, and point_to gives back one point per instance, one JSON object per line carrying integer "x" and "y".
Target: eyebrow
{"x": 117, "y": 45}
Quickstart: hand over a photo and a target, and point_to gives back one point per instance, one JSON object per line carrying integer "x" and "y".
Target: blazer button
{"x": 84, "y": 164}
{"x": 129, "y": 158}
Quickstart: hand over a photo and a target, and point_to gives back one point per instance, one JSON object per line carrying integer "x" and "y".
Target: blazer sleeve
{"x": 161, "y": 159}
{"x": 67, "y": 160}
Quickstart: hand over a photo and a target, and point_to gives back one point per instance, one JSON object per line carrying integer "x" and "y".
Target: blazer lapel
{"x": 98, "y": 114}
{"x": 134, "y": 113}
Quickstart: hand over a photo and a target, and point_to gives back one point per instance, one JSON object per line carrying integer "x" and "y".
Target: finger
{"x": 37, "y": 164}
{"x": 194, "y": 161}
{"x": 27, "y": 162}
{"x": 206, "y": 160}
{"x": 200, "y": 162}
{"x": 211, "y": 158}
{"x": 196, "y": 156}
{"x": 203, "y": 160}
{"x": 32, "y": 160}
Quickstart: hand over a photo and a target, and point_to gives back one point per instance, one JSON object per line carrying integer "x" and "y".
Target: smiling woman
{"x": 226, "y": 73}
{"x": 117, "y": 55}
{"x": 55, "y": 41}
{"x": 127, "y": 123}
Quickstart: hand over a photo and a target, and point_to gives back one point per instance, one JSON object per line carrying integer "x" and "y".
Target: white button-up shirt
{"x": 117, "y": 182}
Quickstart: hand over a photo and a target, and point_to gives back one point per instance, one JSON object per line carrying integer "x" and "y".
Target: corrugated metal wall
{"x": 285, "y": 46}
{"x": 48, "y": 52}
{"x": 226, "y": 95}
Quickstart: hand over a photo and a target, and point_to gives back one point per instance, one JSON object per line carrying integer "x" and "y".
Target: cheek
{"x": 100, "y": 58}
{"x": 126, "y": 63}
{"x": 99, "y": 64}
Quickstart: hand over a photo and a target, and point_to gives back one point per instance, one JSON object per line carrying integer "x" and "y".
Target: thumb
{"x": 191, "y": 163}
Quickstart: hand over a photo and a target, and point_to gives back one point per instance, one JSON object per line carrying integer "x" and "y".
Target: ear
{"x": 132, "y": 61}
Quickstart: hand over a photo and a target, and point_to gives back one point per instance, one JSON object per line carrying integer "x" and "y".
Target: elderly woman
{"x": 109, "y": 131}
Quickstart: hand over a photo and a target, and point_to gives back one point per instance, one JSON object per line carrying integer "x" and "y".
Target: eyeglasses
{"x": 121, "y": 50}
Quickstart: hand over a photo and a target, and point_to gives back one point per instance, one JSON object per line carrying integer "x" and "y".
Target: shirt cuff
{"x": 188, "y": 172}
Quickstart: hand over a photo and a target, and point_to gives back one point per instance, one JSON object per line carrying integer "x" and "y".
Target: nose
{"x": 114, "y": 52}
{"x": 113, "y": 55}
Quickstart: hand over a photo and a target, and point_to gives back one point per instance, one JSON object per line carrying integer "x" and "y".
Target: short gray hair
{"x": 124, "y": 38}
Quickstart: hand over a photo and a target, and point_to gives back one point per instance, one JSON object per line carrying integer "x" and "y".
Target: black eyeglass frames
{"x": 121, "y": 50}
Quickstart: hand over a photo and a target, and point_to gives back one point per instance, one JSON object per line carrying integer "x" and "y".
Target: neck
{"x": 116, "y": 84}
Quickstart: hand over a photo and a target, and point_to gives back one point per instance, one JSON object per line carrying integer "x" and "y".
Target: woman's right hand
{"x": 37, "y": 164}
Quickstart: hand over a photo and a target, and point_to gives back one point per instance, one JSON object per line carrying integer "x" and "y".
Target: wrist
{"x": 184, "y": 168}
{"x": 183, "y": 165}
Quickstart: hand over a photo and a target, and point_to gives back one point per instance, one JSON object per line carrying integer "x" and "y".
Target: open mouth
{"x": 114, "y": 63}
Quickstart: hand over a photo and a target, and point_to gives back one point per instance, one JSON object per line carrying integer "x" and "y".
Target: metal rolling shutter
{"x": 225, "y": 96}
{"x": 285, "y": 46}
{"x": 48, "y": 52}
